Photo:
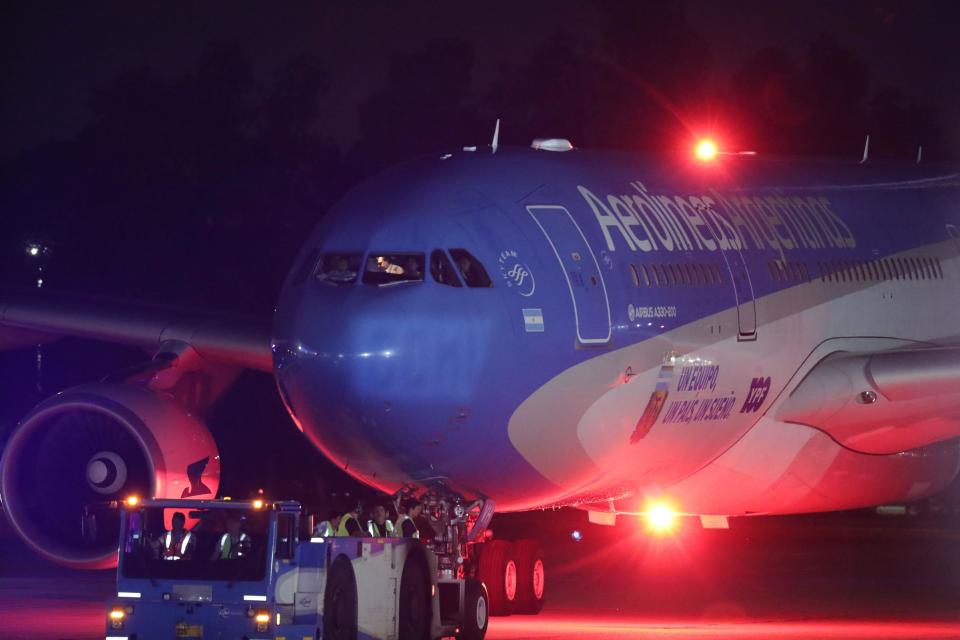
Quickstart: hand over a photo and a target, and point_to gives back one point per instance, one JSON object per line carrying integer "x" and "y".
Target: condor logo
{"x": 759, "y": 388}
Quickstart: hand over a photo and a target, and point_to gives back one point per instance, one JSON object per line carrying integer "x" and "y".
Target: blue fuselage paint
{"x": 419, "y": 381}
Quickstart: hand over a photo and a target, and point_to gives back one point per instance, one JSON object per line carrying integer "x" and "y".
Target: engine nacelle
{"x": 90, "y": 445}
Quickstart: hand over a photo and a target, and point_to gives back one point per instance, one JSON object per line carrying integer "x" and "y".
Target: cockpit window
{"x": 441, "y": 269}
{"x": 392, "y": 268}
{"x": 470, "y": 268}
{"x": 339, "y": 268}
{"x": 306, "y": 266}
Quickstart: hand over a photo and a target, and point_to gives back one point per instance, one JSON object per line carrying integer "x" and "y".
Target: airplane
{"x": 712, "y": 334}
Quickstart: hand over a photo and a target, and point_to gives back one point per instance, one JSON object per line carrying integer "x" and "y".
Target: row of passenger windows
{"x": 882, "y": 269}
{"x": 385, "y": 269}
{"x": 660, "y": 275}
{"x": 788, "y": 271}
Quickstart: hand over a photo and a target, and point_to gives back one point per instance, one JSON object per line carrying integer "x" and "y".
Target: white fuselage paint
{"x": 711, "y": 458}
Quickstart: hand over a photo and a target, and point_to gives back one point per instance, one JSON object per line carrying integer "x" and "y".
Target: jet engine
{"x": 93, "y": 444}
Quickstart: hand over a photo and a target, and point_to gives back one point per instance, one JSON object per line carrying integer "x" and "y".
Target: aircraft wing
{"x": 883, "y": 402}
{"x": 29, "y": 318}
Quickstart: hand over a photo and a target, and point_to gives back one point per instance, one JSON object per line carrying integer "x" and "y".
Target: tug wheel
{"x": 340, "y": 602}
{"x": 476, "y": 611}
{"x": 416, "y": 605}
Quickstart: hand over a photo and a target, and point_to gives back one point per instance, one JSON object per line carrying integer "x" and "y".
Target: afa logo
{"x": 759, "y": 388}
{"x": 516, "y": 274}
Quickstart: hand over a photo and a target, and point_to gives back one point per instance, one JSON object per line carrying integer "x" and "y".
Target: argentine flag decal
{"x": 533, "y": 320}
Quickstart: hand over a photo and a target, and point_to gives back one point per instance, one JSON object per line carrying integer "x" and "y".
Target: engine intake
{"x": 89, "y": 445}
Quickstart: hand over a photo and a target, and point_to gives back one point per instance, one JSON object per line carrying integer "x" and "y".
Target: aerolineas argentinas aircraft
{"x": 536, "y": 328}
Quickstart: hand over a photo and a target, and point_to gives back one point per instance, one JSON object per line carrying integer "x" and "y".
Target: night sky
{"x": 55, "y": 55}
{"x": 177, "y": 139}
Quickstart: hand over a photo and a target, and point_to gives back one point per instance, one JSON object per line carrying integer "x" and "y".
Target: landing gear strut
{"x": 513, "y": 573}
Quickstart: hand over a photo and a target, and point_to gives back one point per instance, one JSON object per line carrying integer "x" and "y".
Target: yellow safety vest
{"x": 170, "y": 552}
{"x": 342, "y": 529}
{"x": 226, "y": 546}
{"x": 399, "y": 526}
{"x": 387, "y": 525}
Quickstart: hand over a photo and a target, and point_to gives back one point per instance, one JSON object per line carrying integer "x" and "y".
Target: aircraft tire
{"x": 530, "y": 577}
{"x": 415, "y": 604}
{"x": 476, "y": 611}
{"x": 498, "y": 571}
{"x": 340, "y": 602}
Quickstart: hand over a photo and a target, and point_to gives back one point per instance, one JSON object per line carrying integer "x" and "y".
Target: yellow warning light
{"x": 133, "y": 501}
{"x": 706, "y": 150}
{"x": 258, "y": 504}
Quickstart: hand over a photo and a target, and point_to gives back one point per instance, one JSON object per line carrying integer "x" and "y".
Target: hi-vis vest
{"x": 170, "y": 551}
{"x": 324, "y": 530}
{"x": 372, "y": 528}
{"x": 228, "y": 549}
{"x": 342, "y": 530}
{"x": 399, "y": 526}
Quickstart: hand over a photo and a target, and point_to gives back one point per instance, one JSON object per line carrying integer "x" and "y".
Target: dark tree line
{"x": 202, "y": 186}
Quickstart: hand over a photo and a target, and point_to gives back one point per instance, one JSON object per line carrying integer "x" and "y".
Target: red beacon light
{"x": 661, "y": 518}
{"x": 706, "y": 150}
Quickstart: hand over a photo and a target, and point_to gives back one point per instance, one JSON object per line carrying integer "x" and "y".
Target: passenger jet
{"x": 729, "y": 335}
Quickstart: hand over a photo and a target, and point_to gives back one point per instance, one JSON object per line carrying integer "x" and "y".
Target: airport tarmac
{"x": 789, "y": 578}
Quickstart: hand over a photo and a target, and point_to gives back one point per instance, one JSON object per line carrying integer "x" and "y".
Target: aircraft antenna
{"x": 866, "y": 150}
{"x": 496, "y": 137}
{"x": 919, "y": 154}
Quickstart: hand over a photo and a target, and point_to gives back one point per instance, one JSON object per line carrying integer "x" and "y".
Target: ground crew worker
{"x": 233, "y": 544}
{"x": 379, "y": 526}
{"x": 349, "y": 524}
{"x": 178, "y": 543}
{"x": 406, "y": 527}
{"x": 328, "y": 528}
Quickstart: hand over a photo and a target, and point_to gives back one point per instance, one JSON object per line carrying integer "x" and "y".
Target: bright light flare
{"x": 661, "y": 518}
{"x": 706, "y": 150}
{"x": 576, "y": 535}
{"x": 133, "y": 501}
{"x": 258, "y": 504}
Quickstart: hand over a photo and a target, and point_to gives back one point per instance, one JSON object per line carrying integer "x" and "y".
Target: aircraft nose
{"x": 385, "y": 381}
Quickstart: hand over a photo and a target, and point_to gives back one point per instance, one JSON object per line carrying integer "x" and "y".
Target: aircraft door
{"x": 743, "y": 292}
{"x": 588, "y": 292}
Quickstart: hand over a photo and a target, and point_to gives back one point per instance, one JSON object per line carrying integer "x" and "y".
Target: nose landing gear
{"x": 513, "y": 573}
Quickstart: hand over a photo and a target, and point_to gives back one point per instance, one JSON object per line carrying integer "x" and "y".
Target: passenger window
{"x": 774, "y": 272}
{"x": 470, "y": 268}
{"x": 678, "y": 275}
{"x": 339, "y": 268}
{"x": 658, "y": 275}
{"x": 671, "y": 276}
{"x": 717, "y": 275}
{"x": 698, "y": 271}
{"x": 441, "y": 269}
{"x": 936, "y": 264}
{"x": 635, "y": 275}
{"x": 385, "y": 269}
{"x": 646, "y": 274}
